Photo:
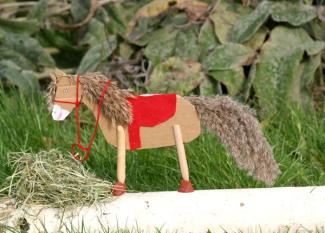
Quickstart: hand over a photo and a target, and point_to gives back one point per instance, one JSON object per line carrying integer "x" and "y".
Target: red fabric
{"x": 149, "y": 111}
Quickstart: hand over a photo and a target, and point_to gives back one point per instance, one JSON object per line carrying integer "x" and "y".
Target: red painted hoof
{"x": 186, "y": 187}
{"x": 119, "y": 189}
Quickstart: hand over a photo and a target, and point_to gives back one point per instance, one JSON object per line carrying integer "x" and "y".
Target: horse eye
{"x": 65, "y": 90}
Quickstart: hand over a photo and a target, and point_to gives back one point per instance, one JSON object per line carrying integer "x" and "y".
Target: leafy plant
{"x": 268, "y": 51}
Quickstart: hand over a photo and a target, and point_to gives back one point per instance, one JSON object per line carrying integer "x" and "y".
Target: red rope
{"x": 77, "y": 103}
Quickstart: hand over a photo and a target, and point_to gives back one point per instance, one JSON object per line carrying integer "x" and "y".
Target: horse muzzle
{"x": 59, "y": 113}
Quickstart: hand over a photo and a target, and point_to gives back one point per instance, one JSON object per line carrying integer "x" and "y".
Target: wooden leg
{"x": 186, "y": 185}
{"x": 120, "y": 187}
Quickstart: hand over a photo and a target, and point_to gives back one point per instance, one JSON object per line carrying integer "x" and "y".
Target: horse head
{"x": 64, "y": 94}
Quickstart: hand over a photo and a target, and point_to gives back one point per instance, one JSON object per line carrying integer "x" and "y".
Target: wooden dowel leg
{"x": 185, "y": 186}
{"x": 181, "y": 152}
{"x": 120, "y": 154}
{"x": 120, "y": 187}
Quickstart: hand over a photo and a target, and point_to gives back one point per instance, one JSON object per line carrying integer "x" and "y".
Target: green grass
{"x": 298, "y": 141}
{"x": 104, "y": 229}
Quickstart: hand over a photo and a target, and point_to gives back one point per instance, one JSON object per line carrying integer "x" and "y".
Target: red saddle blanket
{"x": 149, "y": 111}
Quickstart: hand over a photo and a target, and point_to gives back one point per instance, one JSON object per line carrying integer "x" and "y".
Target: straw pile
{"x": 50, "y": 178}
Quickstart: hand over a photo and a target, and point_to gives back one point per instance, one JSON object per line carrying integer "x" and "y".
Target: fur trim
{"x": 240, "y": 131}
{"x": 50, "y": 95}
{"x": 115, "y": 104}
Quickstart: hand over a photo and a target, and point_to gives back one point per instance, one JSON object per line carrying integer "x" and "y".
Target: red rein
{"x": 77, "y": 104}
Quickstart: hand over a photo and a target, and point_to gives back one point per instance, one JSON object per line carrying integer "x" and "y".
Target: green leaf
{"x": 30, "y": 49}
{"x": 233, "y": 79}
{"x": 25, "y": 80}
{"x": 293, "y": 13}
{"x": 276, "y": 71}
{"x": 57, "y": 39}
{"x": 186, "y": 44}
{"x": 142, "y": 32}
{"x": 175, "y": 76}
{"x": 32, "y": 79}
{"x": 174, "y": 18}
{"x": 161, "y": 45}
{"x": 247, "y": 26}
{"x": 26, "y": 27}
{"x": 225, "y": 16}
{"x": 102, "y": 16}
{"x": 317, "y": 28}
{"x": 80, "y": 9}
{"x": 96, "y": 55}
{"x": 257, "y": 40}
{"x": 228, "y": 56}
{"x": 2, "y": 36}
{"x": 207, "y": 39}
{"x": 125, "y": 50}
{"x": 247, "y": 86}
{"x": 118, "y": 21}
{"x": 95, "y": 33}
{"x": 313, "y": 47}
{"x": 301, "y": 89}
{"x": 16, "y": 57}
{"x": 120, "y": 15}
{"x": 208, "y": 87}
{"x": 39, "y": 11}
{"x": 273, "y": 89}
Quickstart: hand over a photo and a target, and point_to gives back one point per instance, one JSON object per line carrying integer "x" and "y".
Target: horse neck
{"x": 90, "y": 105}
{"x": 93, "y": 107}
{"x": 118, "y": 111}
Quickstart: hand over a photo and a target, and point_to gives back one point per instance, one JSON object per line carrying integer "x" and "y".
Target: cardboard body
{"x": 161, "y": 135}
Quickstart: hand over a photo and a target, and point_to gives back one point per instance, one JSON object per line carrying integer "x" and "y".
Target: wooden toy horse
{"x": 132, "y": 122}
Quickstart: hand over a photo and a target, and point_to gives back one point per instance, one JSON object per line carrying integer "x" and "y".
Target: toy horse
{"x": 132, "y": 122}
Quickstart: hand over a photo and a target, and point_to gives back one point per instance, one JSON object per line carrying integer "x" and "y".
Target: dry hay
{"x": 51, "y": 178}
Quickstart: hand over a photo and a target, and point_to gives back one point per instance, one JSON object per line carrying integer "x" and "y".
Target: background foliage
{"x": 267, "y": 52}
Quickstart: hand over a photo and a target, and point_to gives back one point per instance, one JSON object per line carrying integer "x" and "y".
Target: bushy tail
{"x": 240, "y": 131}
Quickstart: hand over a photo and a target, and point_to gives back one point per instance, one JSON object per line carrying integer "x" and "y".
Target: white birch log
{"x": 246, "y": 210}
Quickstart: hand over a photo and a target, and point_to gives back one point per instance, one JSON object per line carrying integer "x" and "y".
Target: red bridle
{"x": 77, "y": 104}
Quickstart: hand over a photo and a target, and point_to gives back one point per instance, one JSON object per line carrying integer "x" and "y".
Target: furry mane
{"x": 115, "y": 105}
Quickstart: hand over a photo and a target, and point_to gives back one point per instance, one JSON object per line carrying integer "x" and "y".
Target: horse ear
{"x": 53, "y": 77}
{"x": 59, "y": 73}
